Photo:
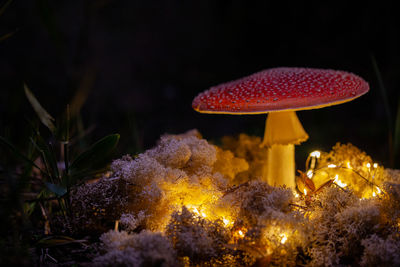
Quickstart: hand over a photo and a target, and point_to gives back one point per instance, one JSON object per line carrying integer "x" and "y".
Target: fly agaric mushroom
{"x": 281, "y": 92}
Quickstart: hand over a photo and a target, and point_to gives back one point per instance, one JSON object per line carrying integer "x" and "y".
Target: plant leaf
{"x": 18, "y": 154}
{"x": 4, "y": 7}
{"x": 44, "y": 116}
{"x": 96, "y": 154}
{"x": 58, "y": 241}
{"x": 56, "y": 189}
{"x": 48, "y": 156}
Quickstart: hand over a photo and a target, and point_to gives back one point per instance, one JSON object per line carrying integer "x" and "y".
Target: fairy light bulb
{"x": 226, "y": 222}
{"x": 348, "y": 165}
{"x": 284, "y": 238}
{"x": 338, "y": 182}
{"x": 314, "y": 156}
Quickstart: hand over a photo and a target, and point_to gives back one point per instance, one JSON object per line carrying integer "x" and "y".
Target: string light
{"x": 315, "y": 154}
{"x": 375, "y": 165}
{"x": 226, "y": 222}
{"x": 284, "y": 238}
{"x": 305, "y": 191}
{"x": 310, "y": 174}
{"x": 348, "y": 165}
{"x": 332, "y": 166}
{"x": 338, "y": 182}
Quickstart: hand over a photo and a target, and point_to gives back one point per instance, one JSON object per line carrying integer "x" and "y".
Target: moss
{"x": 182, "y": 200}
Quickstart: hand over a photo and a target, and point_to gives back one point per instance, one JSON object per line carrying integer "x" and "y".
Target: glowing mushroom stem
{"x": 283, "y": 130}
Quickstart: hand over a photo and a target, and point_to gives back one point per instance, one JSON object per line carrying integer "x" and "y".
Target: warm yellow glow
{"x": 310, "y": 174}
{"x": 338, "y": 182}
{"x": 375, "y": 165}
{"x": 378, "y": 190}
{"x": 305, "y": 191}
{"x": 296, "y": 195}
{"x": 240, "y": 233}
{"x": 315, "y": 154}
{"x": 348, "y": 165}
{"x": 368, "y": 165}
{"x": 284, "y": 238}
{"x": 116, "y": 226}
{"x": 226, "y": 222}
{"x": 373, "y": 194}
{"x": 332, "y": 166}
{"x": 195, "y": 210}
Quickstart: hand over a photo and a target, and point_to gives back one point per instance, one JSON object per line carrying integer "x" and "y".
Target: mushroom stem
{"x": 280, "y": 167}
{"x": 283, "y": 130}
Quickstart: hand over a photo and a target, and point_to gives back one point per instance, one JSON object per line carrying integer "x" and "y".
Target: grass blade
{"x": 18, "y": 154}
{"x": 44, "y": 116}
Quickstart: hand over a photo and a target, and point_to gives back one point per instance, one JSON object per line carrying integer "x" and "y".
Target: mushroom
{"x": 281, "y": 92}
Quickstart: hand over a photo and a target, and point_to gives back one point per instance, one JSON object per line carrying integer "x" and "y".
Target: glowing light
{"x": 348, "y": 165}
{"x": 332, "y": 166}
{"x": 310, "y": 174}
{"x": 226, "y": 222}
{"x": 338, "y": 182}
{"x": 373, "y": 194}
{"x": 116, "y": 225}
{"x": 375, "y": 165}
{"x": 195, "y": 210}
{"x": 240, "y": 233}
{"x": 305, "y": 191}
{"x": 315, "y": 154}
{"x": 378, "y": 190}
{"x": 296, "y": 195}
{"x": 368, "y": 165}
{"x": 284, "y": 238}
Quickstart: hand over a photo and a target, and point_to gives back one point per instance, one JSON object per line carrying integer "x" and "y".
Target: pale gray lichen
{"x": 212, "y": 211}
{"x": 380, "y": 251}
{"x": 197, "y": 238}
{"x": 143, "y": 249}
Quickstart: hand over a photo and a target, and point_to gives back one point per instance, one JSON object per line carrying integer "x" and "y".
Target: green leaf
{"x": 92, "y": 158}
{"x": 4, "y": 7}
{"x": 53, "y": 241}
{"x": 6, "y": 36}
{"x": 29, "y": 208}
{"x": 44, "y": 116}
{"x": 56, "y": 189}
{"x": 18, "y": 154}
{"x": 48, "y": 156}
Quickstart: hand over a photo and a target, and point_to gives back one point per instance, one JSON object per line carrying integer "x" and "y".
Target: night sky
{"x": 141, "y": 63}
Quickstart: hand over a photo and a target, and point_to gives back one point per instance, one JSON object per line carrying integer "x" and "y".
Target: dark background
{"x": 142, "y": 62}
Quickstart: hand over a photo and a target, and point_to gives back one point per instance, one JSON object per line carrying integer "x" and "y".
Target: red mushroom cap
{"x": 280, "y": 89}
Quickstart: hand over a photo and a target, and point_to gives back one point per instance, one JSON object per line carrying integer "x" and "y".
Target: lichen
{"x": 188, "y": 202}
{"x": 143, "y": 249}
